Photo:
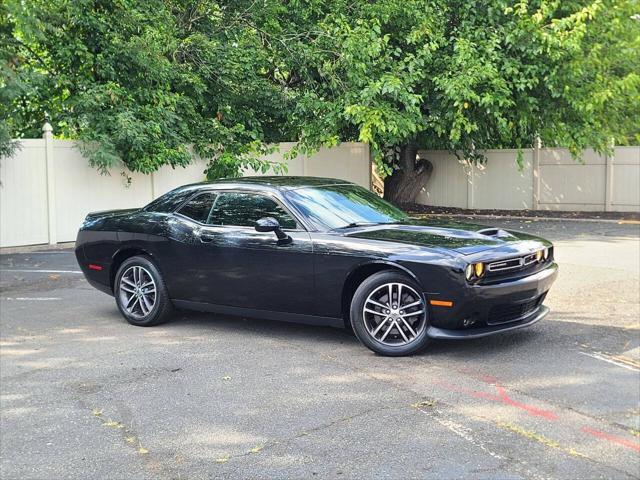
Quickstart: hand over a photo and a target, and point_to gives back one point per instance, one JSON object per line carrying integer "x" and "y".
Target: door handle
{"x": 206, "y": 237}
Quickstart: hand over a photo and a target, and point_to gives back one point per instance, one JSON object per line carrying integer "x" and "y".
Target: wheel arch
{"x": 120, "y": 256}
{"x": 360, "y": 273}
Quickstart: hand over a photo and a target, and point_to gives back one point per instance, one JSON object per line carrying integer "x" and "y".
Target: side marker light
{"x": 441, "y": 303}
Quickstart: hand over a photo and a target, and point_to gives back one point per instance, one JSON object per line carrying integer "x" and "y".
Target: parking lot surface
{"x": 86, "y": 395}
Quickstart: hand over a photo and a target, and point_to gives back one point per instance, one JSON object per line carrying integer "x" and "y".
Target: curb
{"x": 533, "y": 219}
{"x": 37, "y": 248}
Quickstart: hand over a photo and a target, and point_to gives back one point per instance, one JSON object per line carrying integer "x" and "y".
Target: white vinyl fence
{"x": 549, "y": 180}
{"x": 47, "y": 187}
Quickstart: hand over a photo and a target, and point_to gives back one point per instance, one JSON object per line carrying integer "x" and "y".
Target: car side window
{"x": 244, "y": 209}
{"x": 199, "y": 207}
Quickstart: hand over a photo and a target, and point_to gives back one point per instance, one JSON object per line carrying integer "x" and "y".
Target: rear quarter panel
{"x": 102, "y": 238}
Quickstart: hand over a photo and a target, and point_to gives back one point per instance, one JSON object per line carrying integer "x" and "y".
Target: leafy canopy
{"x": 140, "y": 83}
{"x": 466, "y": 76}
{"x": 150, "y": 83}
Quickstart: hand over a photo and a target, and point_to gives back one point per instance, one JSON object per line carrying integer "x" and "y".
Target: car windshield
{"x": 342, "y": 206}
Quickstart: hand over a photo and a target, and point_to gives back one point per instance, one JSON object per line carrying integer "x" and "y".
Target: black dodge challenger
{"x": 319, "y": 251}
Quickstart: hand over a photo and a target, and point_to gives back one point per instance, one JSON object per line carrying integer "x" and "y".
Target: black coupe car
{"x": 319, "y": 251}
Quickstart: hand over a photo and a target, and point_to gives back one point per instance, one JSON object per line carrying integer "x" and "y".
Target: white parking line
{"x": 26, "y": 254}
{"x": 37, "y": 271}
{"x": 606, "y": 358}
{"x": 37, "y": 299}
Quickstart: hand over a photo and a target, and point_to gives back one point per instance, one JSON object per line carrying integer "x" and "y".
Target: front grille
{"x": 509, "y": 312}
{"x": 511, "y": 264}
{"x": 505, "y": 265}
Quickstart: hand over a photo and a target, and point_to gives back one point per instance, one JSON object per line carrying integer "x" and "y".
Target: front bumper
{"x": 444, "y": 333}
{"x": 481, "y": 310}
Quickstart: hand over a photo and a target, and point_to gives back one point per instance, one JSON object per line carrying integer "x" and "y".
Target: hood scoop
{"x": 495, "y": 233}
{"x": 464, "y": 241}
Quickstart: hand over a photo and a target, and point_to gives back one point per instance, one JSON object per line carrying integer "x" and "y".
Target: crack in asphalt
{"x": 304, "y": 433}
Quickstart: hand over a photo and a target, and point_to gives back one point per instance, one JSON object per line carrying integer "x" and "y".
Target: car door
{"x": 225, "y": 261}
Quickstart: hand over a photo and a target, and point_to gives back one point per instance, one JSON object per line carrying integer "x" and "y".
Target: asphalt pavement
{"x": 85, "y": 395}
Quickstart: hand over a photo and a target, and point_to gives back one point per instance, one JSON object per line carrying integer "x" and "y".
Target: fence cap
{"x": 47, "y": 128}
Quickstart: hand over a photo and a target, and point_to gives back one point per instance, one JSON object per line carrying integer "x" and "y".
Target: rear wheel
{"x": 140, "y": 293}
{"x": 389, "y": 314}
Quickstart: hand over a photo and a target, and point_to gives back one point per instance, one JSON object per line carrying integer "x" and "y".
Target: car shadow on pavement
{"x": 272, "y": 328}
{"x": 544, "y": 335}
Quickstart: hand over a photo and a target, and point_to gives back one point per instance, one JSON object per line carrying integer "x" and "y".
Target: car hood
{"x": 463, "y": 238}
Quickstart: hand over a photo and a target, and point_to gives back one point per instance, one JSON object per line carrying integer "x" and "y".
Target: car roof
{"x": 175, "y": 197}
{"x": 273, "y": 182}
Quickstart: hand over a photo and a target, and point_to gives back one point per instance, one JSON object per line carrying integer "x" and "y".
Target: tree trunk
{"x": 404, "y": 185}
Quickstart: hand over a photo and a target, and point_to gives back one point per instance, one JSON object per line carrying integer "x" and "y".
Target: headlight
{"x": 545, "y": 254}
{"x": 539, "y": 255}
{"x": 474, "y": 270}
{"x": 468, "y": 272}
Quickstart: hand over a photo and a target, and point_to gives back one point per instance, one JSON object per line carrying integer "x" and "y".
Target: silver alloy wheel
{"x": 137, "y": 291}
{"x": 394, "y": 314}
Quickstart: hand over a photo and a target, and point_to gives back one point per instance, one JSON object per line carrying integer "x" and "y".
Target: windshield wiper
{"x": 356, "y": 224}
{"x": 395, "y": 222}
{"x": 367, "y": 224}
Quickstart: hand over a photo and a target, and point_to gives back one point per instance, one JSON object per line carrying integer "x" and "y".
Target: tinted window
{"x": 243, "y": 209}
{"x": 198, "y": 208}
{"x": 337, "y": 206}
{"x": 170, "y": 200}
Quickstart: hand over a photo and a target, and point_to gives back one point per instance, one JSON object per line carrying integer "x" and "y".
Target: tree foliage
{"x": 466, "y": 76}
{"x": 143, "y": 83}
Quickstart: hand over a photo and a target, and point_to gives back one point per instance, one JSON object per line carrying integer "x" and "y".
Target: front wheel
{"x": 140, "y": 293}
{"x": 389, "y": 314}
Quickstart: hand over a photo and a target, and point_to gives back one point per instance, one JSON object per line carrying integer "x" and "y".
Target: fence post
{"x": 537, "y": 144}
{"x": 153, "y": 186}
{"x": 608, "y": 177}
{"x": 470, "y": 176}
{"x": 47, "y": 135}
{"x": 371, "y": 166}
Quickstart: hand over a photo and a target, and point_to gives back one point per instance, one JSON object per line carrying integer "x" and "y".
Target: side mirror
{"x": 270, "y": 224}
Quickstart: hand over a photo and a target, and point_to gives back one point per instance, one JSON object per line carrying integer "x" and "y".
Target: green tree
{"x": 141, "y": 84}
{"x": 464, "y": 76}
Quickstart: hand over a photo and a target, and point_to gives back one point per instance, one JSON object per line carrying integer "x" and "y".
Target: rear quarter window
{"x": 199, "y": 207}
{"x": 169, "y": 201}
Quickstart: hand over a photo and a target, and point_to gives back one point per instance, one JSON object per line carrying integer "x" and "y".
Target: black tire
{"x": 142, "y": 316}
{"x": 358, "y": 321}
